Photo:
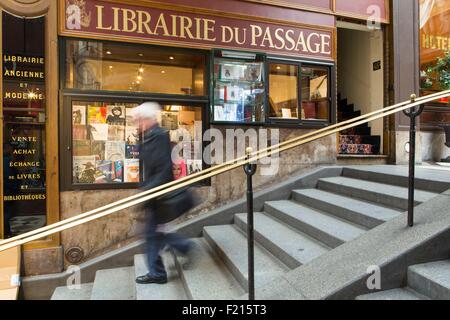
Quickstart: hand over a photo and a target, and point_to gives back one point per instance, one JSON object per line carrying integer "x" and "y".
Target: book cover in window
{"x": 79, "y": 115}
{"x": 132, "y": 135}
{"x": 98, "y": 131}
{"x": 115, "y": 150}
{"x": 132, "y": 170}
{"x": 169, "y": 120}
{"x": 132, "y": 151}
{"x": 81, "y": 147}
{"x": 83, "y": 169}
{"x": 194, "y": 166}
{"x": 96, "y": 115}
{"x": 116, "y": 132}
{"x": 79, "y": 132}
{"x": 116, "y": 115}
{"x": 98, "y": 150}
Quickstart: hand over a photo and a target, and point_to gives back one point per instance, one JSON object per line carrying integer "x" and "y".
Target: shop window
{"x": 238, "y": 87}
{"x": 315, "y": 93}
{"x": 106, "y": 138}
{"x": 23, "y": 174}
{"x": 435, "y": 47}
{"x": 92, "y": 65}
{"x": 283, "y": 91}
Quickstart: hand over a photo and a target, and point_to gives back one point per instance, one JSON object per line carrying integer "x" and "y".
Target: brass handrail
{"x": 211, "y": 172}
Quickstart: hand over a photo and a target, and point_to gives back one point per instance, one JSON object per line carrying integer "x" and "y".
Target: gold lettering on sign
{"x": 24, "y": 197}
{"x": 20, "y": 59}
{"x": 144, "y": 23}
{"x": 129, "y": 17}
{"x": 435, "y": 42}
{"x": 163, "y": 24}
{"x": 100, "y": 19}
{"x": 24, "y": 74}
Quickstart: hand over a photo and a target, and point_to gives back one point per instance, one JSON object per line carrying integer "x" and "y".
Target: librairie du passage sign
{"x": 111, "y": 20}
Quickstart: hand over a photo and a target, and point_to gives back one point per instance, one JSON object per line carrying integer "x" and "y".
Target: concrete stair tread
{"x": 394, "y": 294}
{"x": 64, "y": 293}
{"x": 322, "y": 199}
{"x": 231, "y": 245}
{"x": 114, "y": 284}
{"x": 172, "y": 290}
{"x": 339, "y": 229}
{"x": 432, "y": 176}
{"x": 431, "y": 279}
{"x": 277, "y": 236}
{"x": 380, "y": 188}
{"x": 207, "y": 278}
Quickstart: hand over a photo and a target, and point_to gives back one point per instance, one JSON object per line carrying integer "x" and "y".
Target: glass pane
{"x": 94, "y": 65}
{"x": 435, "y": 46}
{"x": 238, "y": 88}
{"x": 24, "y": 145}
{"x": 186, "y": 128}
{"x": 283, "y": 91}
{"x": 315, "y": 95}
{"x": 105, "y": 143}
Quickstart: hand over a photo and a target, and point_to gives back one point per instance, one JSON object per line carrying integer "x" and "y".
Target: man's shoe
{"x": 147, "y": 279}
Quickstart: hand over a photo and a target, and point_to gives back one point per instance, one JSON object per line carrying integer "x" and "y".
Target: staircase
{"x": 425, "y": 281}
{"x": 357, "y": 140}
{"x": 288, "y": 232}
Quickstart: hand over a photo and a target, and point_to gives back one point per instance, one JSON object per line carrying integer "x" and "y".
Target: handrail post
{"x": 413, "y": 113}
{"x": 250, "y": 169}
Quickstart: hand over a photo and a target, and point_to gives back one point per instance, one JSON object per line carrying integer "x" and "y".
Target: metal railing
{"x": 412, "y": 108}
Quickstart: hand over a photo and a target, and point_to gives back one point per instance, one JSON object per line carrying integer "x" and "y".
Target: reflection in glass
{"x": 283, "y": 91}
{"x": 238, "y": 87}
{"x": 315, "y": 95}
{"x": 95, "y": 65}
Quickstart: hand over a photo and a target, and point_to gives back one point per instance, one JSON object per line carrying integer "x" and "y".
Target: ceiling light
{"x": 140, "y": 54}
{"x": 138, "y": 82}
{"x": 139, "y": 78}
{"x": 108, "y": 52}
{"x": 278, "y": 68}
{"x": 110, "y": 67}
{"x": 172, "y": 58}
{"x": 163, "y": 71}
{"x": 141, "y": 70}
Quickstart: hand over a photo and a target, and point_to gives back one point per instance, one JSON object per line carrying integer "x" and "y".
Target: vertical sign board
{"x": 23, "y": 76}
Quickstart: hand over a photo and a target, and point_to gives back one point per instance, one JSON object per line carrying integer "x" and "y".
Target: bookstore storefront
{"x": 205, "y": 70}
{"x": 254, "y": 67}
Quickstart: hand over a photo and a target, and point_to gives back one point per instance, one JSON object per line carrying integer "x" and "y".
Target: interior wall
{"x": 357, "y": 81}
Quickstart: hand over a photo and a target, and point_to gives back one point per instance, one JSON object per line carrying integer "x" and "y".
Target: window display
{"x": 435, "y": 46}
{"x": 315, "y": 93}
{"x": 105, "y": 142}
{"x": 239, "y": 90}
{"x": 283, "y": 91}
{"x": 93, "y": 65}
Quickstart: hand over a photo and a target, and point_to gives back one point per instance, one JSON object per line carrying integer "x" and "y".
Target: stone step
{"x": 172, "y": 290}
{"x": 431, "y": 279}
{"x": 394, "y": 294}
{"x": 385, "y": 194}
{"x": 64, "y": 293}
{"x": 114, "y": 284}
{"x": 291, "y": 246}
{"x": 231, "y": 245}
{"x": 398, "y": 176}
{"x": 326, "y": 228}
{"x": 359, "y": 212}
{"x": 206, "y": 277}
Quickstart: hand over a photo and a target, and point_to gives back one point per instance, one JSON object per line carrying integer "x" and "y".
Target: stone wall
{"x": 102, "y": 235}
